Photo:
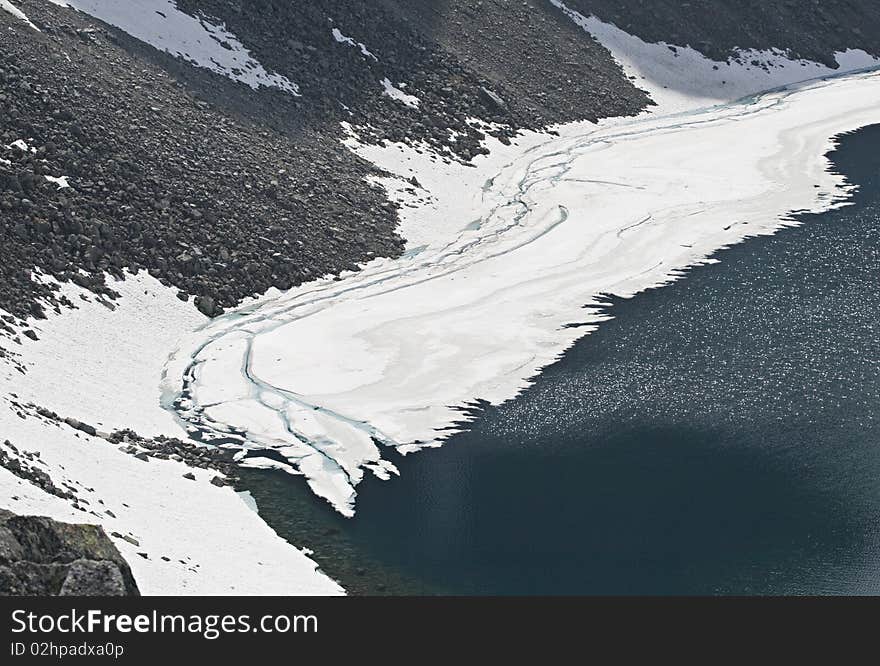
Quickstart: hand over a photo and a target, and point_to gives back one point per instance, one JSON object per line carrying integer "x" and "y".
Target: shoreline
{"x": 542, "y": 242}
{"x": 93, "y": 360}
{"x": 381, "y": 496}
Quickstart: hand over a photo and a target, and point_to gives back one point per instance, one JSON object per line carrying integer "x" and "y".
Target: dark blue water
{"x": 719, "y": 435}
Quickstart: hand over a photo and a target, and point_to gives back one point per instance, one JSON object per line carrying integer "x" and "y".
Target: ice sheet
{"x": 388, "y": 356}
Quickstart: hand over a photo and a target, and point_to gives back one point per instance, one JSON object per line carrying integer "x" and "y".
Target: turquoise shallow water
{"x": 719, "y": 435}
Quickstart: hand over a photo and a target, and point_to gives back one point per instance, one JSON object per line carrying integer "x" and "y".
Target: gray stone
{"x": 91, "y": 578}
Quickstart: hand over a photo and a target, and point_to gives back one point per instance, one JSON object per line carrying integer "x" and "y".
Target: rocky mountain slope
{"x": 159, "y": 179}
{"x": 811, "y": 29}
{"x": 223, "y": 191}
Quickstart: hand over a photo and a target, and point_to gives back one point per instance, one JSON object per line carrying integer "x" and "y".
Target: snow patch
{"x": 197, "y": 40}
{"x": 60, "y": 181}
{"x": 16, "y": 12}
{"x": 185, "y": 537}
{"x": 102, "y": 362}
{"x": 396, "y": 93}
{"x": 343, "y": 39}
{"x": 679, "y": 77}
{"x": 21, "y": 145}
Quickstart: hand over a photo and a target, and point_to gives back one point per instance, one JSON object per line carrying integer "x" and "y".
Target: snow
{"x": 103, "y": 367}
{"x": 511, "y": 250}
{"x": 162, "y": 25}
{"x": 70, "y": 371}
{"x": 16, "y": 12}
{"x": 679, "y": 77}
{"x": 343, "y": 39}
{"x": 21, "y": 145}
{"x": 396, "y": 93}
{"x": 60, "y": 181}
{"x": 214, "y": 541}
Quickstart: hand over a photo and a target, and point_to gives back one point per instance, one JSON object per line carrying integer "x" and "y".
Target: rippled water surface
{"x": 719, "y": 435}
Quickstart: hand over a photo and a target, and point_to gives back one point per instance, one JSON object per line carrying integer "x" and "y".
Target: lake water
{"x": 719, "y": 435}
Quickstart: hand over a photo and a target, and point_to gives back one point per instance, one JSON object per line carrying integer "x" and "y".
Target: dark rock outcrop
{"x": 42, "y": 557}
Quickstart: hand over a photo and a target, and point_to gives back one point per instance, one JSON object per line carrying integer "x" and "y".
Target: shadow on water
{"x": 648, "y": 510}
{"x": 719, "y": 435}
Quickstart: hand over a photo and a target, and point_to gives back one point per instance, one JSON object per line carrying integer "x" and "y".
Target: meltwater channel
{"x": 719, "y": 435}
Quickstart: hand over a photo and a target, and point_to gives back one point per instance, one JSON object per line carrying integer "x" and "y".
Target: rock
{"x": 207, "y": 306}
{"x": 190, "y": 476}
{"x": 40, "y": 556}
{"x": 10, "y": 549}
{"x": 493, "y": 99}
{"x": 126, "y": 537}
{"x": 31, "y": 473}
{"x": 93, "y": 578}
{"x": 83, "y": 427}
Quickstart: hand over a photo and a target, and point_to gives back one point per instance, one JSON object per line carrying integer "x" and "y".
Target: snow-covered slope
{"x": 680, "y": 77}
{"x": 101, "y": 364}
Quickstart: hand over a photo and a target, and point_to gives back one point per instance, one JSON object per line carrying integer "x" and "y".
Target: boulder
{"x": 43, "y": 557}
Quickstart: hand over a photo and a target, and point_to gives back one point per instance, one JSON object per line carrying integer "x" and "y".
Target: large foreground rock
{"x": 42, "y": 557}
